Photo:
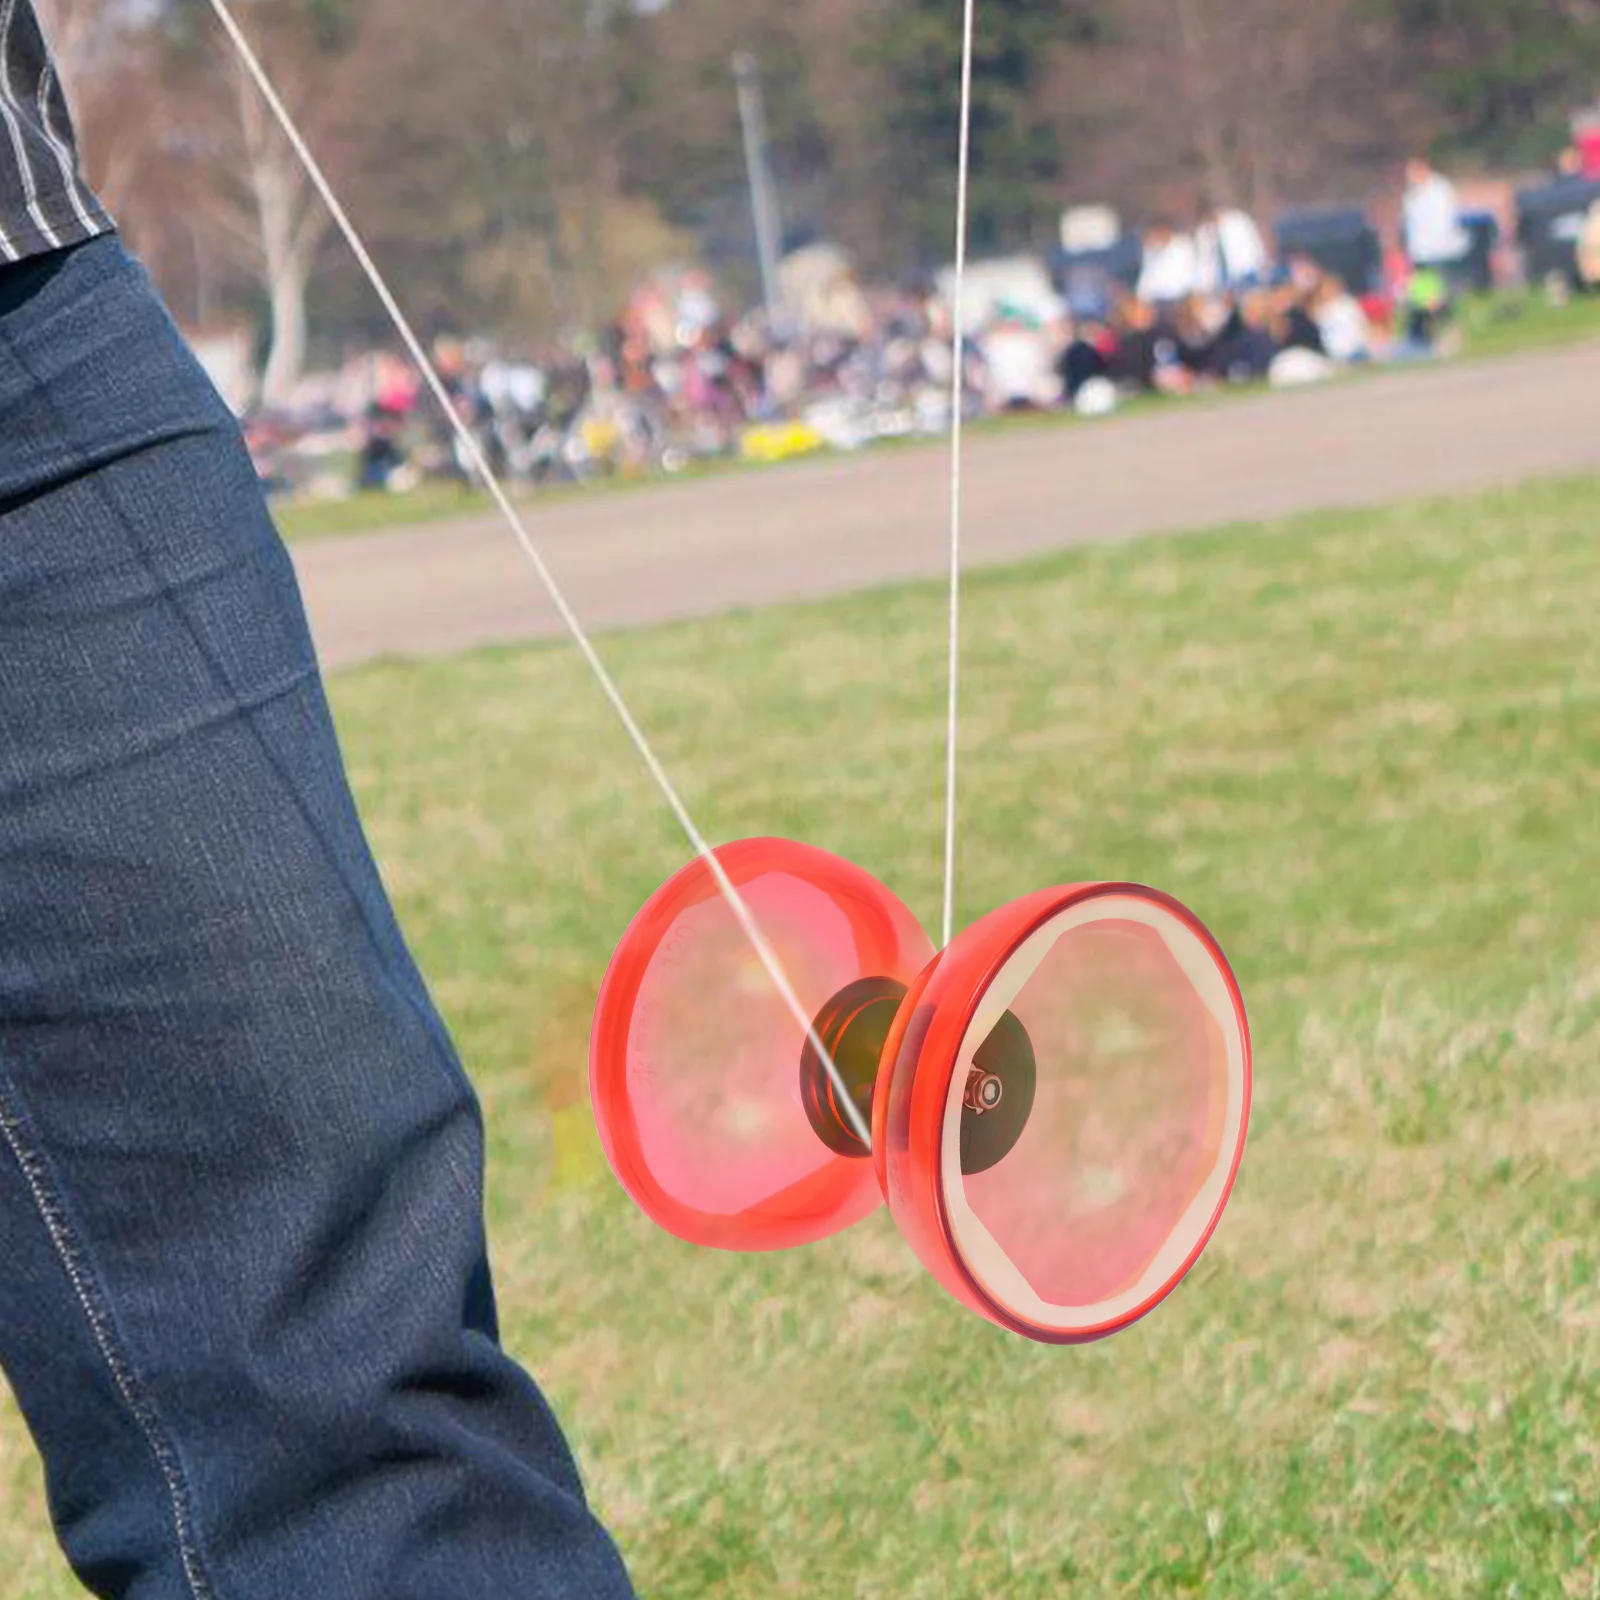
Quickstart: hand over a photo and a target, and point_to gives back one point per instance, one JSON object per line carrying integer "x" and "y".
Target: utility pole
{"x": 763, "y": 200}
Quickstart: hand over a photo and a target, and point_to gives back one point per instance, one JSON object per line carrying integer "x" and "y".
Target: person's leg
{"x": 244, "y": 1299}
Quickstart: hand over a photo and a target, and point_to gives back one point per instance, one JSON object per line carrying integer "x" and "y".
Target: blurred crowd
{"x": 682, "y": 377}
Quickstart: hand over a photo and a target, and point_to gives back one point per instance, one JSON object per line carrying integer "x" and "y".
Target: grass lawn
{"x": 1506, "y": 325}
{"x": 1366, "y": 749}
{"x": 379, "y": 513}
{"x": 1492, "y": 327}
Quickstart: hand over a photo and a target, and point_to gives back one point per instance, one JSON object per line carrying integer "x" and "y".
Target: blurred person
{"x": 1131, "y": 351}
{"x": 1396, "y": 273}
{"x": 746, "y": 370}
{"x": 706, "y": 401}
{"x": 1084, "y": 357}
{"x": 513, "y": 392}
{"x": 1342, "y": 321}
{"x": 1231, "y": 254}
{"x": 652, "y": 319}
{"x": 398, "y": 390}
{"x": 1146, "y": 356}
{"x": 937, "y": 343}
{"x": 1019, "y": 363}
{"x": 1302, "y": 274}
{"x": 246, "y": 1303}
{"x": 446, "y": 456}
{"x": 1088, "y": 292}
{"x": 1586, "y": 141}
{"x": 1197, "y": 325}
{"x": 1301, "y": 357}
{"x": 1424, "y": 310}
{"x": 450, "y": 362}
{"x": 1293, "y": 325}
{"x": 1245, "y": 349}
{"x": 380, "y": 456}
{"x": 634, "y": 360}
{"x": 611, "y": 440}
{"x": 785, "y": 377}
{"x": 696, "y": 307}
{"x": 1586, "y": 257}
{"x": 903, "y": 373}
{"x": 1171, "y": 270}
{"x": 1435, "y": 237}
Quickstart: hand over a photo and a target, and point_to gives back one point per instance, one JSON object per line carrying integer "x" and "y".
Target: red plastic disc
{"x": 1139, "y": 1074}
{"x": 695, "y": 1059}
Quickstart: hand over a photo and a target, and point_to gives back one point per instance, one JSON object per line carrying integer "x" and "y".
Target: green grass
{"x": 1366, "y": 749}
{"x": 1514, "y": 325}
{"x": 299, "y": 520}
{"x": 380, "y": 513}
{"x": 1501, "y": 326}
{"x": 440, "y": 502}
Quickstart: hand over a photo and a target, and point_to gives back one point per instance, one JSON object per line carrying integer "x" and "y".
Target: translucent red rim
{"x": 911, "y": 1110}
{"x": 844, "y": 925}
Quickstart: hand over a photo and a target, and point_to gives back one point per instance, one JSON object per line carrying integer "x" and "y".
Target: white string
{"x": 957, "y": 407}
{"x": 480, "y": 464}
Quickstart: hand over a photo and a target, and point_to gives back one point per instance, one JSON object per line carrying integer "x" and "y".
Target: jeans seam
{"x": 241, "y": 709}
{"x": 94, "y": 1303}
{"x": 86, "y": 464}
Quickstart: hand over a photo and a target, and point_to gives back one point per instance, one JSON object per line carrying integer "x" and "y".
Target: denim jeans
{"x": 245, "y": 1303}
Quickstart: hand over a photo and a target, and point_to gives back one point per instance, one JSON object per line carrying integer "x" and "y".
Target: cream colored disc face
{"x": 1137, "y": 1120}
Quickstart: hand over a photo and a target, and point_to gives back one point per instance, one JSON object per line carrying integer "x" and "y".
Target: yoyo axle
{"x": 854, "y": 1027}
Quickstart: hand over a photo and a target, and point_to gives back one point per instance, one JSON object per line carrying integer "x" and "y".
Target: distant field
{"x": 1491, "y": 328}
{"x": 1366, "y": 749}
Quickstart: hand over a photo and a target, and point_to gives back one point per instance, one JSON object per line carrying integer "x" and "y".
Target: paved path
{"x": 832, "y": 526}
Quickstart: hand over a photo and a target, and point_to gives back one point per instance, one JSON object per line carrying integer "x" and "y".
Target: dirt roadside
{"x": 838, "y": 525}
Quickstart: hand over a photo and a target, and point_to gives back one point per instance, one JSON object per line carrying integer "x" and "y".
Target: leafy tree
{"x": 516, "y": 164}
{"x": 1016, "y": 155}
{"x": 1502, "y": 76}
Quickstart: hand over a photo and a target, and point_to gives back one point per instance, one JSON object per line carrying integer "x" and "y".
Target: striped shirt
{"x": 44, "y": 202}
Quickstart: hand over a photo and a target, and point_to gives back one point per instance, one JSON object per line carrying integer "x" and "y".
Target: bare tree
{"x": 291, "y": 221}
{"x": 180, "y": 147}
{"x": 248, "y": 212}
{"x": 1241, "y": 102}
